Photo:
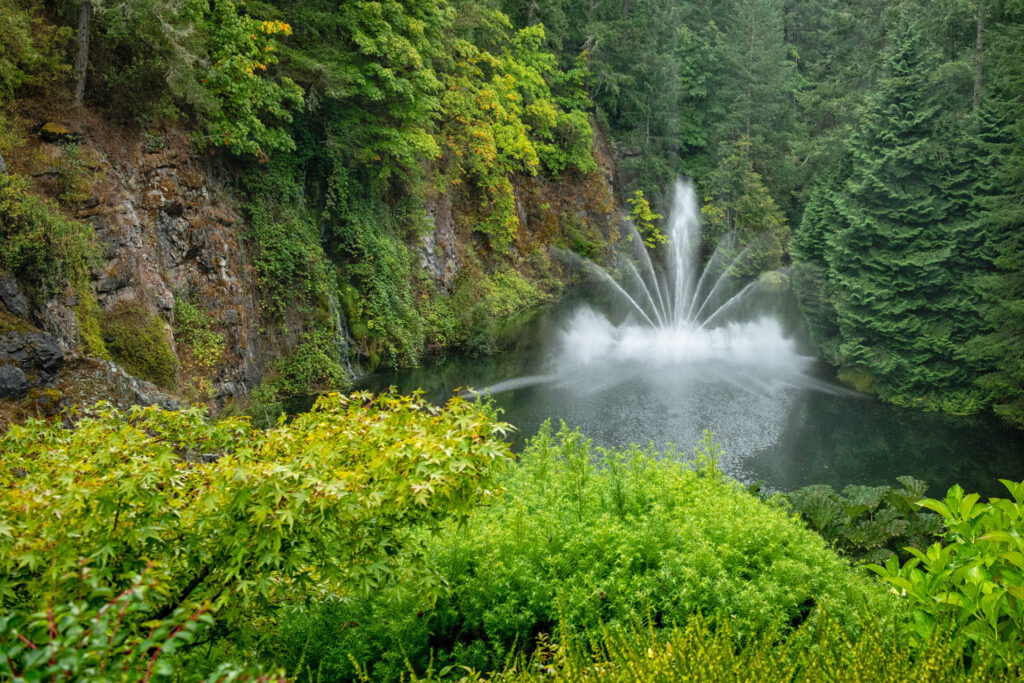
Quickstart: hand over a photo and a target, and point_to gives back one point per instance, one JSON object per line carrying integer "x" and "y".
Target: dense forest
{"x": 245, "y": 205}
{"x": 875, "y": 146}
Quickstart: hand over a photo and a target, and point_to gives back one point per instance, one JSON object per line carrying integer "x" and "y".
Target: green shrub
{"x": 138, "y": 341}
{"x": 90, "y": 329}
{"x": 291, "y": 268}
{"x": 702, "y": 651}
{"x": 974, "y": 577}
{"x": 38, "y": 245}
{"x": 101, "y": 637}
{"x": 868, "y": 523}
{"x": 573, "y": 547}
{"x": 229, "y": 519}
{"x": 201, "y": 349}
{"x": 480, "y": 312}
{"x": 295, "y": 380}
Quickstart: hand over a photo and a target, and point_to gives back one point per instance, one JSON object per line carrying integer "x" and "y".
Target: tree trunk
{"x": 82, "y": 55}
{"x": 3, "y": 166}
{"x": 979, "y": 53}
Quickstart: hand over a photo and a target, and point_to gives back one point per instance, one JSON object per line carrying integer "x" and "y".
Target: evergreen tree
{"x": 897, "y": 262}
{"x": 809, "y": 249}
{"x": 1002, "y": 289}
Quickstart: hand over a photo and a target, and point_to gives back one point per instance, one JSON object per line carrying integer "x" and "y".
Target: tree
{"x": 82, "y": 51}
{"x": 897, "y": 262}
{"x": 739, "y": 204}
{"x": 1001, "y": 349}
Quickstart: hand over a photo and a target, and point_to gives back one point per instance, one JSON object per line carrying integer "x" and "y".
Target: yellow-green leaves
{"x": 646, "y": 220}
{"x": 974, "y": 579}
{"x": 233, "y": 515}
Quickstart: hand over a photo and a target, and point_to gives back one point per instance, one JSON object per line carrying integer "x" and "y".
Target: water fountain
{"x": 672, "y": 349}
{"x": 677, "y": 315}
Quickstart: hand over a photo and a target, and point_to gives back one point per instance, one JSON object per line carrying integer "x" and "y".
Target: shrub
{"x": 138, "y": 341}
{"x": 38, "y": 245}
{"x": 99, "y": 637}
{"x": 702, "y": 651}
{"x": 868, "y": 523}
{"x": 236, "y": 518}
{"x": 200, "y": 347}
{"x": 972, "y": 579}
{"x": 574, "y": 546}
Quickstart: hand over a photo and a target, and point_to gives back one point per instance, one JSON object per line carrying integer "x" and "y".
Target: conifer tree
{"x": 897, "y": 263}
{"x": 1002, "y": 288}
{"x": 809, "y": 250}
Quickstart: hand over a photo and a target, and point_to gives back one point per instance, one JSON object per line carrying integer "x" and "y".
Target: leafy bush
{"x": 574, "y": 546}
{"x": 291, "y": 268}
{"x": 201, "y": 349}
{"x": 38, "y": 245}
{"x": 500, "y": 117}
{"x": 703, "y": 651}
{"x": 138, "y": 340}
{"x": 234, "y": 518}
{"x": 100, "y": 636}
{"x": 31, "y": 51}
{"x": 868, "y": 523}
{"x": 295, "y": 380}
{"x": 974, "y": 577}
{"x": 481, "y": 310}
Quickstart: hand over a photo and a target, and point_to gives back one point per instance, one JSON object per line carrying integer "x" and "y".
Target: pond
{"x": 785, "y": 434}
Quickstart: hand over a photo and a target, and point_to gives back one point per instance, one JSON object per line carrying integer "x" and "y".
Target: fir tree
{"x": 1002, "y": 288}
{"x": 897, "y": 264}
{"x": 809, "y": 248}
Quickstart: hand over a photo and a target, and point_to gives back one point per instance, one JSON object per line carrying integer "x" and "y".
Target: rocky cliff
{"x": 172, "y": 243}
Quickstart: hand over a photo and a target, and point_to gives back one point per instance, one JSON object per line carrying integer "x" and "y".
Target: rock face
{"x": 168, "y": 230}
{"x": 12, "y": 298}
{"x": 85, "y": 381}
{"x": 439, "y": 254}
{"x": 27, "y": 359}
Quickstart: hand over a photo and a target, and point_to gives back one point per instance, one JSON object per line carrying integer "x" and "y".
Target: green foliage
{"x": 645, "y": 220}
{"x": 1001, "y": 287}
{"x": 705, "y": 651}
{"x": 477, "y": 315}
{"x": 291, "y": 269}
{"x": 177, "y": 517}
{"x": 138, "y": 340}
{"x": 100, "y": 636}
{"x": 895, "y": 238}
{"x": 38, "y": 245}
{"x": 31, "y": 51}
{"x": 500, "y": 117}
{"x": 973, "y": 578}
{"x": 295, "y": 379}
{"x": 151, "y": 57}
{"x": 573, "y": 547}
{"x": 739, "y": 204}
{"x": 200, "y": 348}
{"x": 868, "y": 523}
{"x": 239, "y": 100}
{"x": 233, "y": 516}
{"x": 89, "y": 321}
{"x": 378, "y": 265}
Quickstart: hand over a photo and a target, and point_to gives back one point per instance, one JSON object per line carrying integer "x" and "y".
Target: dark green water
{"x": 790, "y": 432}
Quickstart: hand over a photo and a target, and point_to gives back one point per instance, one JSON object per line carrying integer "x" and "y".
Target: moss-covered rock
{"x": 138, "y": 340}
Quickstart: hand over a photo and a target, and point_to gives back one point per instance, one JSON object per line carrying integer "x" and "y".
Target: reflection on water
{"x": 786, "y": 427}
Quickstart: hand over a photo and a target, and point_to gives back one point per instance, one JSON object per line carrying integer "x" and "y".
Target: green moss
{"x": 137, "y": 340}
{"x": 858, "y": 379}
{"x": 90, "y": 331}
{"x": 39, "y": 246}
